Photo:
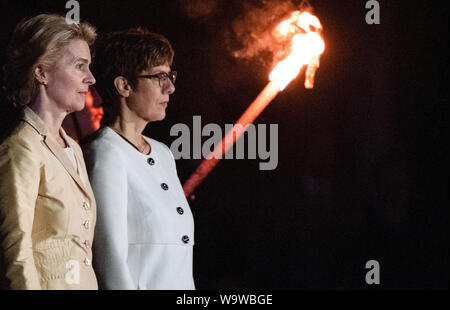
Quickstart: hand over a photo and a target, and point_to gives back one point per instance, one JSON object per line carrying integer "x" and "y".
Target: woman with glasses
{"x": 145, "y": 230}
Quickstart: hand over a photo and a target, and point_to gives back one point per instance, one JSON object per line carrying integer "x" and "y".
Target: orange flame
{"x": 307, "y": 46}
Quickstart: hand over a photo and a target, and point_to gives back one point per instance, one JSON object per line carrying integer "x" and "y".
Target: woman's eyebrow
{"x": 158, "y": 71}
{"x": 84, "y": 60}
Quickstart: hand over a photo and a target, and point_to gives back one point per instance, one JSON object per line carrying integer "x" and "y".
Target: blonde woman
{"x": 47, "y": 207}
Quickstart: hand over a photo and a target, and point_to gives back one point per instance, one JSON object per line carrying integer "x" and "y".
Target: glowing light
{"x": 307, "y": 46}
{"x": 96, "y": 113}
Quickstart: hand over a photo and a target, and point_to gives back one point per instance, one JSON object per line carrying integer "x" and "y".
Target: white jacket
{"x": 144, "y": 235}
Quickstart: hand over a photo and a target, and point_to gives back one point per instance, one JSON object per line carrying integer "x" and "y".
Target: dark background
{"x": 363, "y": 157}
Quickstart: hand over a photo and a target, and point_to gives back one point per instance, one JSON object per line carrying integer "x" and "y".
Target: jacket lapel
{"x": 61, "y": 155}
{"x": 34, "y": 120}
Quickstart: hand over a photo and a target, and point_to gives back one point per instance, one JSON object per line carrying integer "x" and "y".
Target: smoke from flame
{"x": 199, "y": 10}
{"x": 252, "y": 37}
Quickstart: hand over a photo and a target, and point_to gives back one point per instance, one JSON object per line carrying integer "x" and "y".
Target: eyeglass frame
{"x": 172, "y": 76}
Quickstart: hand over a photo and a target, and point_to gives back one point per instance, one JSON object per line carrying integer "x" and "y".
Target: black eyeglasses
{"x": 162, "y": 77}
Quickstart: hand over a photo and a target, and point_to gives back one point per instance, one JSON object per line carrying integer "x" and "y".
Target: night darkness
{"x": 363, "y": 157}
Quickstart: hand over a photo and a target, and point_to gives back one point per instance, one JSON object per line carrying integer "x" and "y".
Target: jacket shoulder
{"x": 101, "y": 146}
{"x": 23, "y": 137}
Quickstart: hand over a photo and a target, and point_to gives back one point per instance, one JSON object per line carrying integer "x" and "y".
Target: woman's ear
{"x": 122, "y": 86}
{"x": 41, "y": 75}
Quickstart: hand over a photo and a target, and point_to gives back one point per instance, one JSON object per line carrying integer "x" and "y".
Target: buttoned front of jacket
{"x": 142, "y": 241}
{"x": 44, "y": 202}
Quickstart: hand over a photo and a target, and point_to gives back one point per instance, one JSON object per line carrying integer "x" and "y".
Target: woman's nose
{"x": 90, "y": 79}
{"x": 170, "y": 88}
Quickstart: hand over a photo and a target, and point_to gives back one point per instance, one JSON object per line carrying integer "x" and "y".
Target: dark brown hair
{"x": 125, "y": 53}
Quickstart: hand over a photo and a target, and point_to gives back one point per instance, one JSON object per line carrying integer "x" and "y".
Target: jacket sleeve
{"x": 108, "y": 179}
{"x": 19, "y": 187}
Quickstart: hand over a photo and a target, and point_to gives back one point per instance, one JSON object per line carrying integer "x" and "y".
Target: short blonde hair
{"x": 39, "y": 40}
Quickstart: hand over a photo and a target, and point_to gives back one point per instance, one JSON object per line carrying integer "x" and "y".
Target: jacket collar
{"x": 36, "y": 122}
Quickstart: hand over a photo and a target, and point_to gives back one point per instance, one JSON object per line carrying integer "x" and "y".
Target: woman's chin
{"x": 80, "y": 108}
{"x": 76, "y": 108}
{"x": 160, "y": 117}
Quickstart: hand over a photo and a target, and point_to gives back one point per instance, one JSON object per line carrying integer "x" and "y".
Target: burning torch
{"x": 306, "y": 47}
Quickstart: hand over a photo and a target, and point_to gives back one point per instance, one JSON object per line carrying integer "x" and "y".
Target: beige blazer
{"x": 47, "y": 211}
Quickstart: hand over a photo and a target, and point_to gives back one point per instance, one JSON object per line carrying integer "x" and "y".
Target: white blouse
{"x": 144, "y": 235}
{"x": 71, "y": 154}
